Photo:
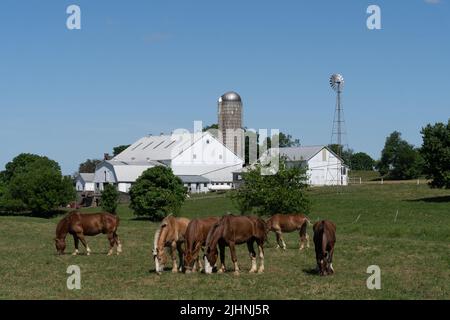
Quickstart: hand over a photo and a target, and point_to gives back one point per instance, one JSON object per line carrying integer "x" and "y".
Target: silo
{"x": 230, "y": 122}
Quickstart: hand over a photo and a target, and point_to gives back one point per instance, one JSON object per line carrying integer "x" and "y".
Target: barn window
{"x": 324, "y": 155}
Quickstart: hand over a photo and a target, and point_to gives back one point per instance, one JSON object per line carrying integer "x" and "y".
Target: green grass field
{"x": 413, "y": 253}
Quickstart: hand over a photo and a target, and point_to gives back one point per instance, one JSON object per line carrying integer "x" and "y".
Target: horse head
{"x": 210, "y": 256}
{"x": 60, "y": 244}
{"x": 158, "y": 250}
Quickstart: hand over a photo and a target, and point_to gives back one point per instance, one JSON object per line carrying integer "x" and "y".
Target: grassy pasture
{"x": 413, "y": 252}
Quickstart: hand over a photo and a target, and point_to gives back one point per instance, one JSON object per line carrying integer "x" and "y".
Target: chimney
{"x": 106, "y": 156}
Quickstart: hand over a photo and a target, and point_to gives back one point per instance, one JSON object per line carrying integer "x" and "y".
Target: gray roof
{"x": 193, "y": 179}
{"x": 230, "y": 96}
{"x": 303, "y": 153}
{"x": 158, "y": 148}
{"x": 87, "y": 177}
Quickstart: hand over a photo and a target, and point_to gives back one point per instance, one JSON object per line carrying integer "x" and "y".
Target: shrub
{"x": 283, "y": 192}
{"x": 156, "y": 193}
{"x": 110, "y": 198}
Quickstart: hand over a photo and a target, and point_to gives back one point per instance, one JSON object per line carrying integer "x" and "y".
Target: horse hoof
{"x": 236, "y": 273}
{"x": 261, "y": 271}
{"x": 252, "y": 271}
{"x": 175, "y": 271}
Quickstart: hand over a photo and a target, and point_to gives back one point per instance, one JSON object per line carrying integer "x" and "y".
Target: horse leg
{"x": 330, "y": 257}
{"x": 278, "y": 235}
{"x": 118, "y": 243}
{"x": 173, "y": 251}
{"x": 281, "y": 241}
{"x": 76, "y": 242}
{"x": 261, "y": 256}
{"x": 180, "y": 255}
{"x": 251, "y": 251}
{"x": 222, "y": 268}
{"x": 234, "y": 258}
{"x": 112, "y": 242}
{"x": 80, "y": 236}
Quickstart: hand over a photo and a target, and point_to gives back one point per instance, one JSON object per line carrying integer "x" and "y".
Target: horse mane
{"x": 155, "y": 240}
{"x": 210, "y": 234}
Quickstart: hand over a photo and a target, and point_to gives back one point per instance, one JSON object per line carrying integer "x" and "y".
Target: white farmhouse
{"x": 84, "y": 182}
{"x": 199, "y": 159}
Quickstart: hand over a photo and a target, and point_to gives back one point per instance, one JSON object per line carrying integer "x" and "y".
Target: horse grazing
{"x": 324, "y": 240}
{"x": 195, "y": 238}
{"x": 230, "y": 231}
{"x": 80, "y": 225}
{"x": 169, "y": 234}
{"x": 279, "y": 223}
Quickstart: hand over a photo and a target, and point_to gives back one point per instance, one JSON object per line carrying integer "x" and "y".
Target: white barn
{"x": 324, "y": 167}
{"x": 84, "y": 182}
{"x": 199, "y": 159}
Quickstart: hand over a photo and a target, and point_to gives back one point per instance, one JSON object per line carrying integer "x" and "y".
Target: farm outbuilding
{"x": 199, "y": 159}
{"x": 84, "y": 182}
{"x": 324, "y": 167}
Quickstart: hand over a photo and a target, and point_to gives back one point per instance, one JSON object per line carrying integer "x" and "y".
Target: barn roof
{"x": 129, "y": 172}
{"x": 158, "y": 148}
{"x": 87, "y": 177}
{"x": 193, "y": 179}
{"x": 303, "y": 153}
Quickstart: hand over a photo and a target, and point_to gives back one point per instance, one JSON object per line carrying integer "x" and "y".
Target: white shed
{"x": 84, "y": 182}
{"x": 324, "y": 166}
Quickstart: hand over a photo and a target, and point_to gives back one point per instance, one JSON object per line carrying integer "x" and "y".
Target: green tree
{"x": 120, "y": 149}
{"x": 286, "y": 140}
{"x": 39, "y": 187}
{"x": 88, "y": 166}
{"x": 361, "y": 161}
{"x": 399, "y": 159}
{"x": 436, "y": 154}
{"x": 110, "y": 198}
{"x": 156, "y": 193}
{"x": 20, "y": 162}
{"x": 283, "y": 192}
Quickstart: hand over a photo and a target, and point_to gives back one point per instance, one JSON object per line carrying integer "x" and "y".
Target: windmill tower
{"x": 338, "y": 133}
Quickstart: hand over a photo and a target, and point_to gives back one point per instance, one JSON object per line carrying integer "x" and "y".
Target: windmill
{"x": 338, "y": 132}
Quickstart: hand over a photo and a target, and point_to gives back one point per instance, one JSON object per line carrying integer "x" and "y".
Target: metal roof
{"x": 193, "y": 179}
{"x": 87, "y": 177}
{"x": 158, "y": 148}
{"x": 303, "y": 153}
{"x": 230, "y": 96}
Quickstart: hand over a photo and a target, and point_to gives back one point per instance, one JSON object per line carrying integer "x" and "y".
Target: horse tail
{"x": 304, "y": 226}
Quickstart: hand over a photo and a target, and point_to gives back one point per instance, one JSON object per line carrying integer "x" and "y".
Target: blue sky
{"x": 139, "y": 67}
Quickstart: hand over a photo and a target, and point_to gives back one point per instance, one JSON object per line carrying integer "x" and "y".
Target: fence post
{"x": 360, "y": 180}
{"x": 381, "y": 180}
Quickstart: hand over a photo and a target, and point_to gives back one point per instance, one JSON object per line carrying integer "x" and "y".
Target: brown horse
{"x": 230, "y": 231}
{"x": 80, "y": 225}
{"x": 169, "y": 234}
{"x": 279, "y": 223}
{"x": 324, "y": 240}
{"x": 195, "y": 239}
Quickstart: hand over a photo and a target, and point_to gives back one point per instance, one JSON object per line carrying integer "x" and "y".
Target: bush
{"x": 156, "y": 193}
{"x": 436, "y": 153}
{"x": 283, "y": 192}
{"x": 110, "y": 198}
{"x": 35, "y": 184}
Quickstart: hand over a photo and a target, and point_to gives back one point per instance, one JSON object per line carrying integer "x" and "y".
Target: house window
{"x": 205, "y": 185}
{"x": 194, "y": 156}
